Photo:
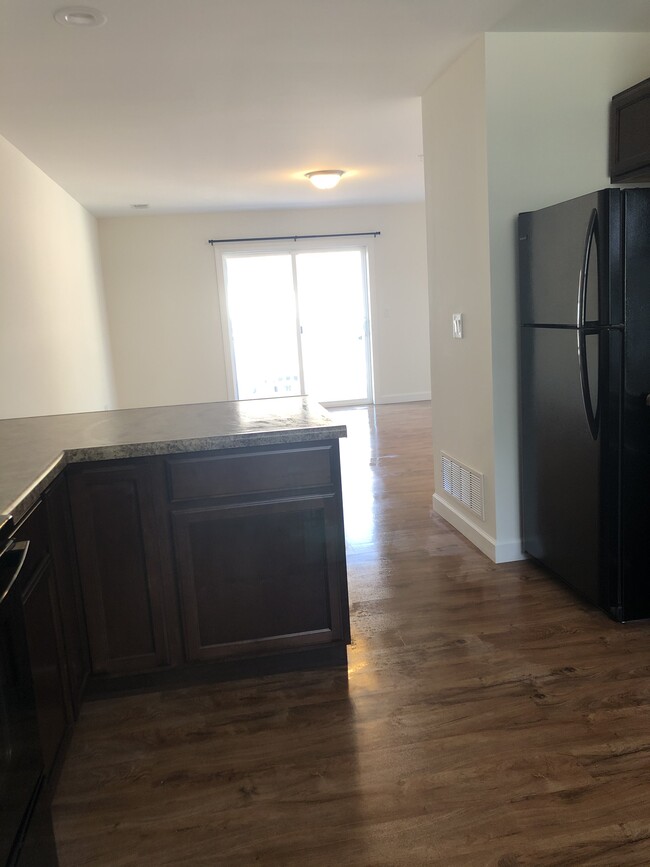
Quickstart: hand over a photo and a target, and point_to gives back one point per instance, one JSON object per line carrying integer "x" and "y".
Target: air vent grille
{"x": 463, "y": 484}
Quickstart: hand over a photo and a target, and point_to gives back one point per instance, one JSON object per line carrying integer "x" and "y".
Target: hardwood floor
{"x": 487, "y": 717}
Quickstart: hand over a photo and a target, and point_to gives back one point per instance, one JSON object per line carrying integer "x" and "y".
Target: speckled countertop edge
{"x": 302, "y": 420}
{"x": 32, "y": 494}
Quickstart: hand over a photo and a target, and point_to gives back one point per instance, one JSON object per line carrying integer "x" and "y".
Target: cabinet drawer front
{"x": 244, "y": 472}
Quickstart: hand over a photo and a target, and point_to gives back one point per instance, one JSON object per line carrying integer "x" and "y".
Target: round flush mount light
{"x": 79, "y": 16}
{"x": 325, "y": 179}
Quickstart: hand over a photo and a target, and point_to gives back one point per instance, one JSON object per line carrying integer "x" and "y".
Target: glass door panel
{"x": 333, "y": 314}
{"x": 263, "y": 326}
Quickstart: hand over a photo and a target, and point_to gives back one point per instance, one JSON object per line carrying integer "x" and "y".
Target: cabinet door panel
{"x": 43, "y": 632}
{"x": 66, "y": 574}
{"x": 629, "y": 140}
{"x": 45, "y": 659}
{"x": 255, "y": 578}
{"x": 120, "y": 564}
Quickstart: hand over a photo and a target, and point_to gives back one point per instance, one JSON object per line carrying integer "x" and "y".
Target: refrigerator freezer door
{"x": 635, "y": 454}
{"x": 564, "y": 261}
{"x": 562, "y": 463}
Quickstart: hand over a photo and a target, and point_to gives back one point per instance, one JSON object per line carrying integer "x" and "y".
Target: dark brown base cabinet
{"x": 58, "y": 658}
{"x": 76, "y": 661}
{"x": 213, "y": 556}
{"x": 44, "y": 639}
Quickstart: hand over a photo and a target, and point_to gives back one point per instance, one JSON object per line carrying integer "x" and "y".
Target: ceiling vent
{"x": 464, "y": 485}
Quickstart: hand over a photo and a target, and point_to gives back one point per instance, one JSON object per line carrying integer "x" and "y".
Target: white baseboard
{"x": 403, "y": 398}
{"x": 508, "y": 552}
{"x": 498, "y": 552}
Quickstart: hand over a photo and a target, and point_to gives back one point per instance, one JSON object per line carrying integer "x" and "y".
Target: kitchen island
{"x": 168, "y": 545}
{"x": 208, "y": 538}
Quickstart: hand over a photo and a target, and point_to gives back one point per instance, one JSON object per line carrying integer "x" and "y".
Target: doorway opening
{"x": 297, "y": 322}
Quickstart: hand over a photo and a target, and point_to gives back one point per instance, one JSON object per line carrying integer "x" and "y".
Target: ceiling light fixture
{"x": 80, "y": 16}
{"x": 325, "y": 179}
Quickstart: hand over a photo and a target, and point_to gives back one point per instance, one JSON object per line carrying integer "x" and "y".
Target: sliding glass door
{"x": 298, "y": 324}
{"x": 334, "y": 325}
{"x": 262, "y": 316}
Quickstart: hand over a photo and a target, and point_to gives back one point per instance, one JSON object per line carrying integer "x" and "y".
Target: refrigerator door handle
{"x": 592, "y": 230}
{"x": 593, "y": 419}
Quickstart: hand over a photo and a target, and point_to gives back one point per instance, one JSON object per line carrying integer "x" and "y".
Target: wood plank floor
{"x": 488, "y": 717}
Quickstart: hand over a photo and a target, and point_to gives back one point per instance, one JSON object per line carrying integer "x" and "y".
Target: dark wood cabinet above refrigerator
{"x": 629, "y": 135}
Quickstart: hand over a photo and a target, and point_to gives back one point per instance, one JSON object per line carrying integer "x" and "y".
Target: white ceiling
{"x": 203, "y": 105}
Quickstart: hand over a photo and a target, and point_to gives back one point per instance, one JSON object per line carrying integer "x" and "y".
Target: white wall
{"x": 454, "y": 127}
{"x": 161, "y": 293}
{"x": 54, "y": 349}
{"x": 548, "y": 100}
{"x": 543, "y": 99}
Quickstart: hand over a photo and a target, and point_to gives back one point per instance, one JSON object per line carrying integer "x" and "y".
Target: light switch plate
{"x": 457, "y": 325}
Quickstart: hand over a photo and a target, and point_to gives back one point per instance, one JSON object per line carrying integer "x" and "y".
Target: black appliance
{"x": 26, "y": 836}
{"x": 584, "y": 270}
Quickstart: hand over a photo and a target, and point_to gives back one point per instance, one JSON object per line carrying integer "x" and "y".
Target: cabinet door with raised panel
{"x": 629, "y": 135}
{"x": 260, "y": 577}
{"x": 42, "y": 626}
{"x": 118, "y": 540}
{"x": 46, "y": 662}
{"x": 68, "y": 591}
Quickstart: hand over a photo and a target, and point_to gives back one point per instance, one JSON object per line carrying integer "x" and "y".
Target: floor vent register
{"x": 464, "y": 485}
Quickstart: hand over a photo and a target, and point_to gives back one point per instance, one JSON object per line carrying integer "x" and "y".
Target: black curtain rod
{"x": 293, "y": 237}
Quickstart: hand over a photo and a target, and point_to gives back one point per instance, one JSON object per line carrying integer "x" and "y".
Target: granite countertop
{"x": 33, "y": 451}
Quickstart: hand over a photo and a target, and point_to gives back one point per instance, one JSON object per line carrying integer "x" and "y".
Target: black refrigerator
{"x": 584, "y": 268}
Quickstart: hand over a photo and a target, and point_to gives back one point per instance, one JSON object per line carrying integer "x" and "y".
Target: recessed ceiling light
{"x": 325, "y": 179}
{"x": 80, "y": 16}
